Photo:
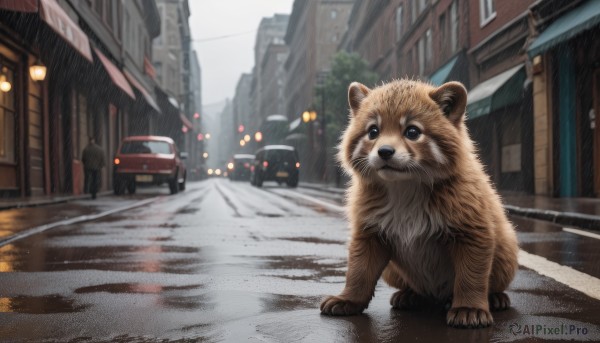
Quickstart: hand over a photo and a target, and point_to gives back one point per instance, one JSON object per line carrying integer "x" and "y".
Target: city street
{"x": 225, "y": 261}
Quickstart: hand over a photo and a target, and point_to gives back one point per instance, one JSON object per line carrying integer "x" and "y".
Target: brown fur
{"x": 465, "y": 248}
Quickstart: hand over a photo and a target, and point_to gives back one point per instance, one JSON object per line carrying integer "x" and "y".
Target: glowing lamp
{"x": 200, "y": 137}
{"x": 5, "y": 86}
{"x": 313, "y": 115}
{"x": 306, "y": 116}
{"x": 196, "y": 115}
{"x": 184, "y": 129}
{"x": 258, "y": 136}
{"x": 241, "y": 128}
{"x": 38, "y": 71}
{"x": 242, "y": 142}
{"x": 247, "y": 138}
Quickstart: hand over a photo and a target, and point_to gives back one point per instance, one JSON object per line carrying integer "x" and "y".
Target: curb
{"x": 52, "y": 201}
{"x": 581, "y": 220}
{"x": 584, "y": 221}
{"x": 75, "y": 220}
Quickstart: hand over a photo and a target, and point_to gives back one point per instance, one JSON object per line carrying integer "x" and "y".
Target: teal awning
{"x": 440, "y": 76}
{"x": 501, "y": 90}
{"x": 579, "y": 19}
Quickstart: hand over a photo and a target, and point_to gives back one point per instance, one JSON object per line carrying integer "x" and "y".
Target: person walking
{"x": 93, "y": 161}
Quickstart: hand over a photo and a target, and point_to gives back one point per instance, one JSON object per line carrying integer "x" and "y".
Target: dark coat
{"x": 93, "y": 157}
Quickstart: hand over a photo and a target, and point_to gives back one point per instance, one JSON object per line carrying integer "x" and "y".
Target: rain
{"x": 299, "y": 170}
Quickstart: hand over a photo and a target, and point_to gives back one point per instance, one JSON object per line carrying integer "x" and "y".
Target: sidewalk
{"x": 34, "y": 201}
{"x": 580, "y": 212}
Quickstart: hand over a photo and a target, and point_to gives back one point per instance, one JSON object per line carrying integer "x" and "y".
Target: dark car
{"x": 239, "y": 168}
{"x": 148, "y": 160}
{"x": 275, "y": 163}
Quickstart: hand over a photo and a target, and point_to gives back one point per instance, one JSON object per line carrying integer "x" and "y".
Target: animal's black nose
{"x": 386, "y": 152}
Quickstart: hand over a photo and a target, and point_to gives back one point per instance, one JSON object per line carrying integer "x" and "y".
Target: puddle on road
{"x": 150, "y": 258}
{"x": 283, "y": 302}
{"x": 306, "y": 268}
{"x": 268, "y": 215}
{"x": 188, "y": 210}
{"x": 135, "y": 288}
{"x": 47, "y": 304}
{"x": 312, "y": 240}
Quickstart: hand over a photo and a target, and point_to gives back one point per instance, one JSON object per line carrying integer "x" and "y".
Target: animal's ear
{"x": 357, "y": 92}
{"x": 452, "y": 99}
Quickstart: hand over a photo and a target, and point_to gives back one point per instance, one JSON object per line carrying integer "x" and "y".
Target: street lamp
{"x": 306, "y": 116}
{"x": 247, "y": 138}
{"x": 313, "y": 115}
{"x": 207, "y": 136}
{"x": 258, "y": 136}
{"x": 205, "y": 155}
{"x": 38, "y": 71}
{"x": 242, "y": 142}
{"x": 241, "y": 128}
{"x": 196, "y": 115}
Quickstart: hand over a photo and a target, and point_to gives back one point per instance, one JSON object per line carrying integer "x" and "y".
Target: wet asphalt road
{"x": 225, "y": 261}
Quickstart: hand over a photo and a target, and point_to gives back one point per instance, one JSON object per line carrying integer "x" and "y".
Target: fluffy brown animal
{"x": 422, "y": 211}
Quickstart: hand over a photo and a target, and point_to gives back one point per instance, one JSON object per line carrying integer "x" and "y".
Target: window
{"x": 108, "y": 14}
{"x": 99, "y": 7}
{"x": 333, "y": 14}
{"x": 399, "y": 23}
{"x": 158, "y": 70}
{"x": 454, "y": 27}
{"x": 443, "y": 35}
{"x": 428, "y": 48}
{"x": 7, "y": 119}
{"x": 417, "y": 7}
{"x": 487, "y": 11}
{"x": 421, "y": 55}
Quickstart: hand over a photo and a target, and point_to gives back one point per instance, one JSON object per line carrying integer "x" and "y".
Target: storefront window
{"x": 7, "y": 119}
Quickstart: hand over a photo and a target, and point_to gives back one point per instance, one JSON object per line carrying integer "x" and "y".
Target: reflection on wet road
{"x": 225, "y": 261}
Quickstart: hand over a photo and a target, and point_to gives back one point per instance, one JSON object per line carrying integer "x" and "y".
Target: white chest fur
{"x": 413, "y": 229}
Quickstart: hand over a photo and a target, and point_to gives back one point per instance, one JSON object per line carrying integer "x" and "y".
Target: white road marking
{"x": 329, "y": 206}
{"x": 581, "y": 232}
{"x": 568, "y": 276}
{"x": 75, "y": 220}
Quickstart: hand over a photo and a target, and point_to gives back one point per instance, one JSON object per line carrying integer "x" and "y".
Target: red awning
{"x": 61, "y": 23}
{"x": 115, "y": 74}
{"x": 58, "y": 20}
{"x": 29, "y": 6}
{"x": 186, "y": 121}
{"x": 149, "y": 99}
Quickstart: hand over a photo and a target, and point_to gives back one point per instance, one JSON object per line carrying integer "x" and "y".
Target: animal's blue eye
{"x": 373, "y": 132}
{"x": 413, "y": 133}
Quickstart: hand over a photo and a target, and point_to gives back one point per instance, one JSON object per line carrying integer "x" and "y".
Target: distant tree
{"x": 333, "y": 92}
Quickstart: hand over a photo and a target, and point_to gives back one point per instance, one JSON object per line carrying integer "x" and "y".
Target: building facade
{"x": 271, "y": 31}
{"x": 564, "y": 55}
{"x": 499, "y": 108}
{"x": 98, "y": 83}
{"x": 313, "y": 35}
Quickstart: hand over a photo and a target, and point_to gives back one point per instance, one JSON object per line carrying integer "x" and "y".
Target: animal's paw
{"x": 499, "y": 301}
{"x": 469, "y": 318}
{"x": 406, "y": 299}
{"x": 337, "y": 306}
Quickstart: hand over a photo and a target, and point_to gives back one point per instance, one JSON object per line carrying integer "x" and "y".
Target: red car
{"x": 148, "y": 160}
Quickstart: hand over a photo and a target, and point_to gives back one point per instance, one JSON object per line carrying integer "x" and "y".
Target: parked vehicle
{"x": 148, "y": 160}
{"x": 275, "y": 163}
{"x": 240, "y": 167}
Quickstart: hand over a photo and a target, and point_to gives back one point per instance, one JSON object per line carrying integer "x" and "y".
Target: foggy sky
{"x": 223, "y": 60}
